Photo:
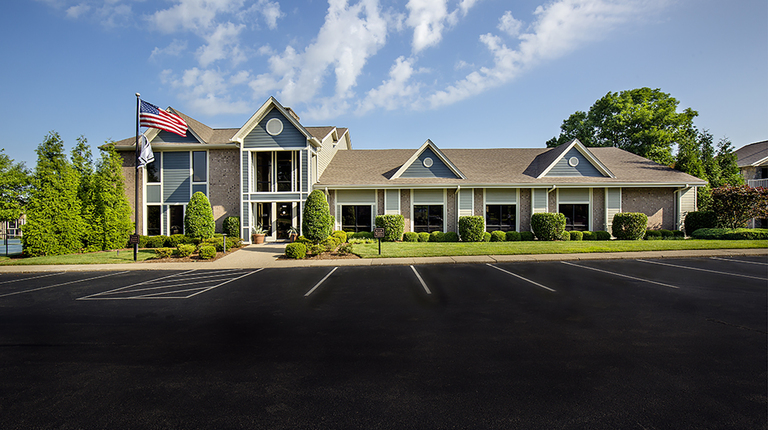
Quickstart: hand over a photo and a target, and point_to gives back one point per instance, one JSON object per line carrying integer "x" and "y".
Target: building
{"x": 752, "y": 160}
{"x": 264, "y": 171}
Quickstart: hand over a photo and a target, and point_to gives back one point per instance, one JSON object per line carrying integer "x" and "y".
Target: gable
{"x": 437, "y": 168}
{"x": 573, "y": 164}
{"x": 168, "y": 137}
{"x": 288, "y": 137}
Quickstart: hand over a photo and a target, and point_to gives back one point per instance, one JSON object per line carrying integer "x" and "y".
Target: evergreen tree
{"x": 82, "y": 163}
{"x": 54, "y": 223}
{"x": 198, "y": 219}
{"x": 14, "y": 188}
{"x": 111, "y": 206}
{"x": 317, "y": 222}
{"x": 728, "y": 163}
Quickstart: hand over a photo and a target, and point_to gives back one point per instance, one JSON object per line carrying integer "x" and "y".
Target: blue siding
{"x": 438, "y": 169}
{"x": 245, "y": 219}
{"x": 246, "y": 155}
{"x": 583, "y": 169}
{"x": 304, "y": 169}
{"x": 154, "y": 194}
{"x": 176, "y": 177}
{"x": 290, "y": 137}
{"x": 201, "y": 188}
{"x": 275, "y": 197}
{"x": 167, "y": 137}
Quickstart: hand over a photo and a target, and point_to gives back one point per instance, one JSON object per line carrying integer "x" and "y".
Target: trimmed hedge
{"x": 512, "y": 236}
{"x": 577, "y": 235}
{"x": 548, "y": 226}
{"x": 601, "y": 235}
{"x": 360, "y": 235}
{"x": 331, "y": 243}
{"x": 526, "y": 236}
{"x": 317, "y": 222}
{"x": 587, "y": 235}
{"x": 566, "y": 236}
{"x": 436, "y": 236}
{"x": 630, "y": 225}
{"x": 232, "y": 226}
{"x": 699, "y": 219}
{"x": 423, "y": 236}
{"x": 731, "y": 233}
{"x": 296, "y": 250}
{"x": 198, "y": 218}
{"x": 486, "y": 237}
{"x": 498, "y": 236}
{"x": 185, "y": 249}
{"x": 411, "y": 237}
{"x": 207, "y": 252}
{"x": 341, "y": 235}
{"x": 471, "y": 228}
{"x": 164, "y": 252}
{"x": 393, "y": 226}
{"x": 451, "y": 236}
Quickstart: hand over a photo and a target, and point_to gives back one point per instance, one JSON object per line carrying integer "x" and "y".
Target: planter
{"x": 293, "y": 237}
{"x": 257, "y": 238}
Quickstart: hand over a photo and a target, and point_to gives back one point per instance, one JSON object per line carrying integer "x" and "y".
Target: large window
{"x": 153, "y": 220}
{"x": 264, "y": 171}
{"x": 500, "y": 217}
{"x": 284, "y": 171}
{"x": 199, "y": 166}
{"x": 356, "y": 218}
{"x": 153, "y": 169}
{"x": 427, "y": 218}
{"x": 275, "y": 171}
{"x": 576, "y": 216}
{"x": 177, "y": 219}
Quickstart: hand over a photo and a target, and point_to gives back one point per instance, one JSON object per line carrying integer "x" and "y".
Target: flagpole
{"x": 136, "y": 186}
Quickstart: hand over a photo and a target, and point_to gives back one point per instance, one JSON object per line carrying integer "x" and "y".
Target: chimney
{"x": 293, "y": 114}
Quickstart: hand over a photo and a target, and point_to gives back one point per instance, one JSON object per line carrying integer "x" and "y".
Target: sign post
{"x": 378, "y": 233}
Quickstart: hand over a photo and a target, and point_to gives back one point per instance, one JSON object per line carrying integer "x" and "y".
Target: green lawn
{"x": 442, "y": 249}
{"x": 106, "y": 257}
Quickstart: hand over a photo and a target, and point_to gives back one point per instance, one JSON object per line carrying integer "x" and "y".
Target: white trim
{"x": 512, "y": 185}
{"x": 254, "y": 120}
{"x": 590, "y": 221}
{"x": 436, "y": 151}
{"x": 609, "y": 222}
{"x": 444, "y": 204}
{"x": 397, "y": 194}
{"x": 338, "y": 224}
{"x": 585, "y": 152}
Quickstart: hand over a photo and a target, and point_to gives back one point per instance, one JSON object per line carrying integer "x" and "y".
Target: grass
{"x": 443, "y": 249}
{"x": 105, "y": 257}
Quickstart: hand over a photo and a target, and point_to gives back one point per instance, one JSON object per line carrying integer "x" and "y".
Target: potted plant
{"x": 293, "y": 233}
{"x": 258, "y": 234}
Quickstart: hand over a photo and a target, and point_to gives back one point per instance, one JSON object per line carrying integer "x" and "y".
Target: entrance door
{"x": 284, "y": 219}
{"x": 264, "y": 216}
{"x": 177, "y": 219}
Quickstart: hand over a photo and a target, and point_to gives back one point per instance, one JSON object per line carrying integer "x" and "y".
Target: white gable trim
{"x": 440, "y": 155}
{"x": 239, "y": 137}
{"x": 585, "y": 152}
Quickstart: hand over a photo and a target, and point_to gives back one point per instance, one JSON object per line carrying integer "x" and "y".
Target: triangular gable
{"x": 556, "y": 156}
{"x": 194, "y": 131}
{"x": 428, "y": 169}
{"x": 262, "y": 112}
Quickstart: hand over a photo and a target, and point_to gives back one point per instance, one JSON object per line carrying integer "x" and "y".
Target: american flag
{"x": 152, "y": 116}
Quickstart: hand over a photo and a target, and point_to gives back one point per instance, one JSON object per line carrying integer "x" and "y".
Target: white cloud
{"x": 193, "y": 15}
{"x": 271, "y": 12}
{"x": 221, "y": 43}
{"x": 508, "y": 24}
{"x": 75, "y": 12}
{"x": 174, "y": 49}
{"x": 429, "y": 18}
{"x": 394, "y": 92}
{"x": 208, "y": 91}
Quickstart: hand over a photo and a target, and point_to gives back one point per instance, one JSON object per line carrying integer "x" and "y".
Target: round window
{"x": 274, "y": 126}
{"x": 427, "y": 162}
{"x": 573, "y": 161}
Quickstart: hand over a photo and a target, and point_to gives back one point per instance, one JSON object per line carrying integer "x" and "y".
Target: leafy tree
{"x": 111, "y": 206}
{"x": 643, "y": 121}
{"x": 82, "y": 163}
{"x": 728, "y": 163}
{"x": 14, "y": 188}
{"x": 198, "y": 219}
{"x": 317, "y": 222}
{"x": 734, "y": 206}
{"x": 54, "y": 223}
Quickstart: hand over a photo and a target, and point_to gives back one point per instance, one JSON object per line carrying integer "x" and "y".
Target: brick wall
{"x": 380, "y": 203}
{"x": 405, "y": 208}
{"x": 224, "y": 184}
{"x": 451, "y": 211}
{"x": 129, "y": 179}
{"x": 598, "y": 209}
{"x": 479, "y": 207}
{"x": 657, "y": 203}
{"x": 524, "y": 223}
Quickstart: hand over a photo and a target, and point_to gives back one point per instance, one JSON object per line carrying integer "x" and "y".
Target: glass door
{"x": 284, "y": 219}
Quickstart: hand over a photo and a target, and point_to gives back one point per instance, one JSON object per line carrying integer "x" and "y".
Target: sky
{"x": 463, "y": 73}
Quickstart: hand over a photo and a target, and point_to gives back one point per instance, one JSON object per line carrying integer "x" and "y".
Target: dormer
{"x": 572, "y": 159}
{"x": 428, "y": 162}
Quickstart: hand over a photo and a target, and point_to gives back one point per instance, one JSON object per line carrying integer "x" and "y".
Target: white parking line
{"x": 620, "y": 274}
{"x": 423, "y": 284}
{"x": 736, "y": 260}
{"x": 92, "y": 296}
{"x": 225, "y": 282}
{"x": 321, "y": 281}
{"x": 62, "y": 284}
{"x": 523, "y": 278}
{"x": 35, "y": 277}
{"x": 703, "y": 270}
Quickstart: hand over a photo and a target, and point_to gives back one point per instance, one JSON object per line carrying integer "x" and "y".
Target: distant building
{"x": 753, "y": 166}
{"x": 11, "y": 229}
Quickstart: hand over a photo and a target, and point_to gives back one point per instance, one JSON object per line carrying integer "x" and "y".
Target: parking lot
{"x": 647, "y": 344}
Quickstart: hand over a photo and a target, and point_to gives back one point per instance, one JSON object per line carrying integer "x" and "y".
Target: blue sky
{"x": 463, "y": 73}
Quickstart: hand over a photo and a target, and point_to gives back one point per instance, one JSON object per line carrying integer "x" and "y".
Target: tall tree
{"x": 110, "y": 203}
{"x": 728, "y": 164}
{"x": 14, "y": 188}
{"x": 643, "y": 121}
{"x": 82, "y": 164}
{"x": 54, "y": 223}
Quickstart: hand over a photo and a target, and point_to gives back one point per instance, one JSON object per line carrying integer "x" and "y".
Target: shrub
{"x": 331, "y": 243}
{"x": 185, "y": 249}
{"x": 423, "y": 236}
{"x": 163, "y": 252}
{"x": 234, "y": 242}
{"x": 486, "y": 236}
{"x": 317, "y": 222}
{"x": 436, "y": 236}
{"x": 601, "y": 235}
{"x": 451, "y": 236}
{"x": 175, "y": 240}
{"x": 411, "y": 237}
{"x": 526, "y": 236}
{"x": 548, "y": 226}
{"x": 512, "y": 236}
{"x": 393, "y": 226}
{"x": 731, "y": 233}
{"x": 341, "y": 235}
{"x": 232, "y": 226}
{"x": 296, "y": 250}
{"x": 207, "y": 252}
{"x": 653, "y": 235}
{"x": 198, "y": 218}
{"x": 666, "y": 233}
{"x": 315, "y": 249}
{"x": 577, "y": 235}
{"x": 345, "y": 248}
{"x": 588, "y": 235}
{"x": 214, "y": 242}
{"x": 155, "y": 241}
{"x": 699, "y": 219}
{"x": 678, "y": 234}
{"x": 471, "y": 228}
{"x": 362, "y": 235}
{"x": 630, "y": 225}
{"x": 734, "y": 206}
{"x": 566, "y": 236}
{"x": 498, "y": 236}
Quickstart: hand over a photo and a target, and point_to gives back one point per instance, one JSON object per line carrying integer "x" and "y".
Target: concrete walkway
{"x": 267, "y": 256}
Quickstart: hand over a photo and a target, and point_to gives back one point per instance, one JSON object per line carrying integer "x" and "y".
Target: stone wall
{"x": 224, "y": 184}
{"x": 657, "y": 203}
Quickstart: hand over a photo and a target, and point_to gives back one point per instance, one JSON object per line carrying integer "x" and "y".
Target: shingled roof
{"x": 753, "y": 154}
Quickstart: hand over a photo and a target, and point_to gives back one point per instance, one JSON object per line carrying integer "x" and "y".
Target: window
{"x": 427, "y": 218}
{"x": 264, "y": 171}
{"x": 356, "y": 218}
{"x": 500, "y": 217}
{"x": 264, "y": 217}
{"x": 153, "y": 220}
{"x": 199, "y": 166}
{"x": 284, "y": 171}
{"x": 275, "y": 171}
{"x": 576, "y": 216}
{"x": 177, "y": 219}
{"x": 153, "y": 169}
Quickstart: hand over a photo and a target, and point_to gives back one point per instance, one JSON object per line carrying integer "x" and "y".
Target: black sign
{"x": 133, "y": 239}
{"x": 378, "y": 233}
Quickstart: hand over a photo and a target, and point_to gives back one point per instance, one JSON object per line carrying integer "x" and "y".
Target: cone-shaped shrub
{"x": 317, "y": 222}
{"x": 198, "y": 220}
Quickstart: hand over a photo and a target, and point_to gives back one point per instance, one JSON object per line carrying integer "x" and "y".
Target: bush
{"x": 548, "y": 226}
{"x": 588, "y": 235}
{"x": 512, "y": 236}
{"x": 731, "y": 233}
{"x": 341, "y": 235}
{"x": 234, "y": 242}
{"x": 526, "y": 236}
{"x": 393, "y": 226}
{"x": 345, "y": 248}
{"x": 214, "y": 242}
{"x": 198, "y": 218}
{"x": 451, "y": 236}
{"x": 471, "y": 228}
{"x": 156, "y": 241}
{"x": 498, "y": 236}
{"x": 411, "y": 237}
{"x": 232, "y": 226}
{"x": 164, "y": 252}
{"x": 734, "y": 206}
{"x": 185, "y": 249}
{"x": 207, "y": 252}
{"x": 304, "y": 240}
{"x": 566, "y": 236}
{"x": 295, "y": 250}
{"x": 436, "y": 236}
{"x": 175, "y": 240}
{"x": 331, "y": 243}
{"x": 361, "y": 235}
{"x": 315, "y": 249}
{"x": 423, "y": 236}
{"x": 653, "y": 235}
{"x": 666, "y": 233}
{"x": 699, "y": 219}
{"x": 630, "y": 225}
{"x": 602, "y": 235}
{"x": 486, "y": 236}
{"x": 317, "y": 222}
{"x": 577, "y": 235}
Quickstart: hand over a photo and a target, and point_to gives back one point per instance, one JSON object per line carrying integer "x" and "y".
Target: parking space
{"x": 593, "y": 343}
